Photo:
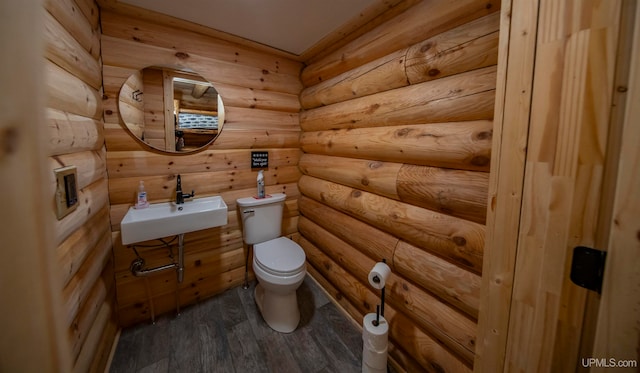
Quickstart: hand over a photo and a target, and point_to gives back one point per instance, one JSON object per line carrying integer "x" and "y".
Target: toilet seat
{"x": 279, "y": 257}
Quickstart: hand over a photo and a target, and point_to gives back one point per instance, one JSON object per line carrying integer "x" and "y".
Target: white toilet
{"x": 278, "y": 262}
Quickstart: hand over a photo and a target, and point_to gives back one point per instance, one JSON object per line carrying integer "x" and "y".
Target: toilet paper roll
{"x": 375, "y": 338}
{"x": 379, "y": 275}
{"x": 368, "y": 369}
{"x": 374, "y": 359}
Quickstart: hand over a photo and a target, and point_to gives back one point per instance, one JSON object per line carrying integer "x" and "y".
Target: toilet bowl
{"x": 279, "y": 266}
{"x": 278, "y": 262}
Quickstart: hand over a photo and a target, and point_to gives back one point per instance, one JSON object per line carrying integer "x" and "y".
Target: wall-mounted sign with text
{"x": 259, "y": 159}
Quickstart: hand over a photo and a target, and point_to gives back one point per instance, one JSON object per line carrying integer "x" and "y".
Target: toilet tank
{"x": 261, "y": 217}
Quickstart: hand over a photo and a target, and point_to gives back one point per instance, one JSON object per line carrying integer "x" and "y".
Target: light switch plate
{"x": 66, "y": 190}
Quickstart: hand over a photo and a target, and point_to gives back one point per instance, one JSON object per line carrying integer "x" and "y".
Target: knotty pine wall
{"x": 75, "y": 125}
{"x": 260, "y": 94}
{"x": 397, "y": 131}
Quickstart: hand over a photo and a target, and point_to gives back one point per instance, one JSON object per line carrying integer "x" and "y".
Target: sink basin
{"x": 168, "y": 219}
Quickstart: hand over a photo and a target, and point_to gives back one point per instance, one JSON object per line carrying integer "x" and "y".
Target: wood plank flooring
{"x": 227, "y": 334}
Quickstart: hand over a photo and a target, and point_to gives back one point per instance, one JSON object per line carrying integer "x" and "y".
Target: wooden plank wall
{"x": 75, "y": 126}
{"x": 260, "y": 93}
{"x": 397, "y": 129}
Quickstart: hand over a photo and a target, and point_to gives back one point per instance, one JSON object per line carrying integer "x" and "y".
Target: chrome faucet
{"x": 181, "y": 196}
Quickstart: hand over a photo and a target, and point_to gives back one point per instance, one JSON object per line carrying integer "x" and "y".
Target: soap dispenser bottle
{"x": 260, "y": 184}
{"x": 141, "y": 201}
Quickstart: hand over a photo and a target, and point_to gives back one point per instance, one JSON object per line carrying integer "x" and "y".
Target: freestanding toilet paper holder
{"x": 379, "y": 307}
{"x": 376, "y": 328}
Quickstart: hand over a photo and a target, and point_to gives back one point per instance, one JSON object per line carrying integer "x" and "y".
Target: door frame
{"x": 618, "y": 330}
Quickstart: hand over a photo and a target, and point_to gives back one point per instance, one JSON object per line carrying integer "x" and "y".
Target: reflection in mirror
{"x": 170, "y": 109}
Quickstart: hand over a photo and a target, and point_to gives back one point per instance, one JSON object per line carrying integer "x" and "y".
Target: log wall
{"x": 260, "y": 94}
{"x": 397, "y": 131}
{"x": 75, "y": 128}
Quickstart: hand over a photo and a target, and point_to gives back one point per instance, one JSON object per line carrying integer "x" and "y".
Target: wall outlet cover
{"x": 66, "y": 190}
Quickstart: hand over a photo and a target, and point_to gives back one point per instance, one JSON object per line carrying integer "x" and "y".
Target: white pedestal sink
{"x": 168, "y": 219}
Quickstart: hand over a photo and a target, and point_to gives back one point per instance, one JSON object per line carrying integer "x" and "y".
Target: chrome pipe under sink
{"x": 138, "y": 270}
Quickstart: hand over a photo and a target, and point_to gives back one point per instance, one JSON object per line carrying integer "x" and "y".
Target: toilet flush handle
{"x": 248, "y": 211}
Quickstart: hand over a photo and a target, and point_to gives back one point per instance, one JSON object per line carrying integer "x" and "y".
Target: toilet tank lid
{"x": 254, "y": 201}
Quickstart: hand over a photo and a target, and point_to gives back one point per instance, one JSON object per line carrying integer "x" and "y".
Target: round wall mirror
{"x": 170, "y": 109}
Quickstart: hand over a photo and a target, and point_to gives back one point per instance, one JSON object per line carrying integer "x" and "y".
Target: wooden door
{"x": 559, "y": 121}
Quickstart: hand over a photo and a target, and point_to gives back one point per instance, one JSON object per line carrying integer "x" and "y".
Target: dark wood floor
{"x": 227, "y": 334}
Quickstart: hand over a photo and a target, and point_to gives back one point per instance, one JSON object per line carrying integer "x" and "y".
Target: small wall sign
{"x": 259, "y": 159}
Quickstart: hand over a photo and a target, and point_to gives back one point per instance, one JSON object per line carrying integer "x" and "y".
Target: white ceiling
{"x": 290, "y": 25}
